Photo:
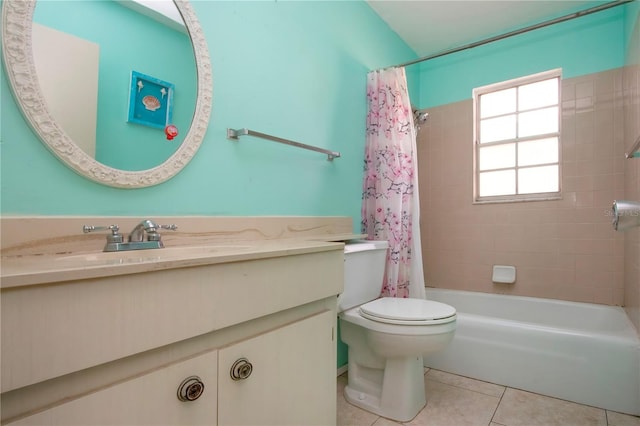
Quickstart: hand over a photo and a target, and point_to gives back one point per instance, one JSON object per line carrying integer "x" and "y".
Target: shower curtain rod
{"x": 515, "y": 32}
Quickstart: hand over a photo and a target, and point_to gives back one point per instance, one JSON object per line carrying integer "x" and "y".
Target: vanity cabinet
{"x": 276, "y": 378}
{"x": 288, "y": 382}
{"x": 114, "y": 350}
{"x": 150, "y": 399}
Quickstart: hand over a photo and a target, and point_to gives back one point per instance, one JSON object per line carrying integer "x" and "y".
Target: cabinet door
{"x": 292, "y": 380}
{"x": 151, "y": 399}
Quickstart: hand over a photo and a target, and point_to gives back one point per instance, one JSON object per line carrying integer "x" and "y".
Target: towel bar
{"x": 234, "y": 134}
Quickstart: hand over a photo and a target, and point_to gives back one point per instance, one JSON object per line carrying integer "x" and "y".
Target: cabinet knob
{"x": 190, "y": 389}
{"x": 241, "y": 369}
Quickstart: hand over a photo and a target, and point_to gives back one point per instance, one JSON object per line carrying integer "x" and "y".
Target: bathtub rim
{"x": 629, "y": 331}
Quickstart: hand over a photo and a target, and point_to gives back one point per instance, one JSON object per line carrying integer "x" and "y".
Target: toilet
{"x": 387, "y": 337}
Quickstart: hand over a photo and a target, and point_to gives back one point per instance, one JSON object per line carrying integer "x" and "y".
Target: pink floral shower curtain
{"x": 390, "y": 197}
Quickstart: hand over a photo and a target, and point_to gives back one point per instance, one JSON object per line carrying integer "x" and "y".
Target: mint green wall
{"x": 141, "y": 44}
{"x": 292, "y": 69}
{"x": 632, "y": 18}
{"x": 581, "y": 46}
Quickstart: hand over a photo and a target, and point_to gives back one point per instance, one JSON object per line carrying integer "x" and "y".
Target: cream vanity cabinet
{"x": 146, "y": 400}
{"x": 248, "y": 341}
{"x": 287, "y": 372}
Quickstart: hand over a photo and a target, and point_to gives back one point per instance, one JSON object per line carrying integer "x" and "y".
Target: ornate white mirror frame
{"x": 17, "y": 52}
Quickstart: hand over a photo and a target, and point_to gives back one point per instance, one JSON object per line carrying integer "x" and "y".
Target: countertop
{"x": 26, "y": 270}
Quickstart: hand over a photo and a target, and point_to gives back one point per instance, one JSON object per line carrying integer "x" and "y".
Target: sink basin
{"x": 153, "y": 255}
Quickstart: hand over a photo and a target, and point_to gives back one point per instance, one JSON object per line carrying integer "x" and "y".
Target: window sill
{"x": 518, "y": 200}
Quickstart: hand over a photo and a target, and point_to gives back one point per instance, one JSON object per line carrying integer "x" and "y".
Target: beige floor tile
{"x": 453, "y": 406}
{"x": 465, "y": 383}
{"x": 519, "y": 408}
{"x": 350, "y": 415}
{"x": 386, "y": 422}
{"x": 619, "y": 419}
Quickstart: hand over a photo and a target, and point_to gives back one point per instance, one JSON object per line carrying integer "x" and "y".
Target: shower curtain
{"x": 390, "y": 204}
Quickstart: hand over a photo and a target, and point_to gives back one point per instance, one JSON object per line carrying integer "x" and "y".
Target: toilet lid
{"x": 393, "y": 310}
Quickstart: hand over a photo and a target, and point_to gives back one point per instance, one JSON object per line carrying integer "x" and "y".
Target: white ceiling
{"x": 431, "y": 26}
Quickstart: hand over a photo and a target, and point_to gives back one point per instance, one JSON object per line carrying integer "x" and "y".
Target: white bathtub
{"x": 579, "y": 352}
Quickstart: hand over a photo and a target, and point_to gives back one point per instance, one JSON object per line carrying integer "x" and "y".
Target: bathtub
{"x": 579, "y": 352}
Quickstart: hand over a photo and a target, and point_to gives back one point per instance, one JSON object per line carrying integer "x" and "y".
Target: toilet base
{"x": 395, "y": 392}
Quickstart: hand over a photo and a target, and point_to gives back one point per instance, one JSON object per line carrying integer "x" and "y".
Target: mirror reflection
{"x": 84, "y": 67}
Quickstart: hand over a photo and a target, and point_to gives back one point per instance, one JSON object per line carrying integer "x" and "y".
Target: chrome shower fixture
{"x": 420, "y": 117}
{"x": 626, "y": 214}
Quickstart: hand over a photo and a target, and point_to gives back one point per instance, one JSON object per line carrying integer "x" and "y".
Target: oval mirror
{"x": 127, "y": 148}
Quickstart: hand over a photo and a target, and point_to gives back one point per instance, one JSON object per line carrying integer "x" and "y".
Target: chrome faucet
{"x": 150, "y": 229}
{"x": 143, "y": 236}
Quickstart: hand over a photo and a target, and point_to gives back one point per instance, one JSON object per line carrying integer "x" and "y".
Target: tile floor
{"x": 459, "y": 401}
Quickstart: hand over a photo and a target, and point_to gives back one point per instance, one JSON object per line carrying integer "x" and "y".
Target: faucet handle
{"x": 90, "y": 228}
{"x": 153, "y": 235}
{"x": 115, "y": 237}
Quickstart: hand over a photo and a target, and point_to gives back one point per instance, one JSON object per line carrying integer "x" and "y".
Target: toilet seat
{"x": 391, "y": 310}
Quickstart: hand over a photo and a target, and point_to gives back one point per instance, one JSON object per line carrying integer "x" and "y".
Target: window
{"x": 517, "y": 139}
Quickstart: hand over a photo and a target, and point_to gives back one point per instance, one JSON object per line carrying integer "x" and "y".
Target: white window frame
{"x": 479, "y": 91}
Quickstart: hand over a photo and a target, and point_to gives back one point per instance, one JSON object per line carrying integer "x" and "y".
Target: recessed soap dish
{"x": 504, "y": 274}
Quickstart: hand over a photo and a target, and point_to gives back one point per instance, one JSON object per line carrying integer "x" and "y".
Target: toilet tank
{"x": 364, "y": 264}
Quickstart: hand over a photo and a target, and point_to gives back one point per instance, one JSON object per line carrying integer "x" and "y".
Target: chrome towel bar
{"x": 635, "y": 149}
{"x": 234, "y": 134}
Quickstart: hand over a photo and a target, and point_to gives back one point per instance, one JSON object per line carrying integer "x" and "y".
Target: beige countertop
{"x": 25, "y": 270}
